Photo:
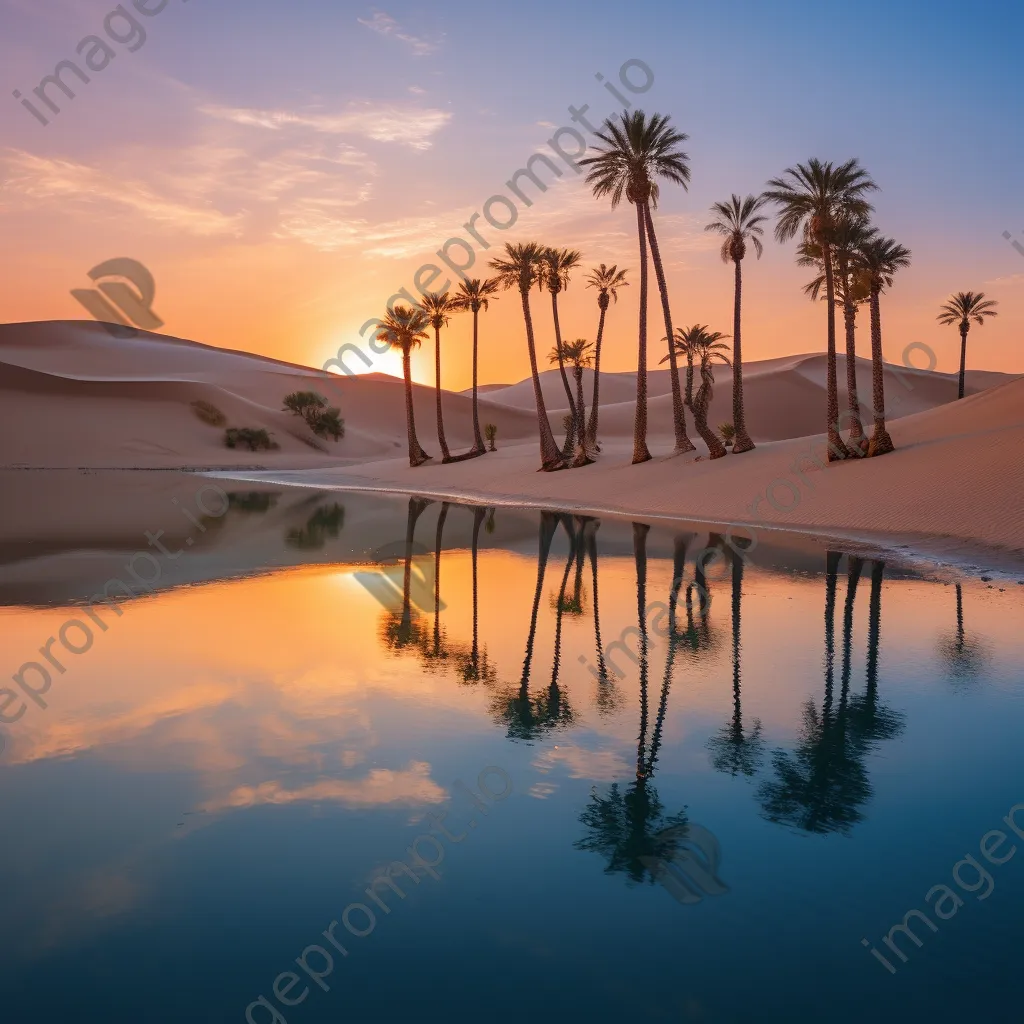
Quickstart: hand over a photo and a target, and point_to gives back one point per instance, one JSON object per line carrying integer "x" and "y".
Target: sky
{"x": 283, "y": 169}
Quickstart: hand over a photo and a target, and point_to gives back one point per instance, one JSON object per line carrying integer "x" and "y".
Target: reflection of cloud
{"x": 542, "y": 790}
{"x": 384, "y": 25}
{"x": 381, "y": 786}
{"x": 597, "y": 765}
{"x": 381, "y": 122}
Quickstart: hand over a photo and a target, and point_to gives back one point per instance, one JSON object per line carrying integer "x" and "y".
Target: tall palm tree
{"x": 853, "y": 289}
{"x": 961, "y": 309}
{"x": 556, "y": 265}
{"x": 708, "y": 348}
{"x": 474, "y": 295}
{"x": 812, "y": 198}
{"x": 739, "y": 220}
{"x": 578, "y": 354}
{"x": 405, "y": 327}
{"x": 522, "y": 268}
{"x": 607, "y": 281}
{"x": 439, "y": 306}
{"x": 879, "y": 259}
{"x": 637, "y": 151}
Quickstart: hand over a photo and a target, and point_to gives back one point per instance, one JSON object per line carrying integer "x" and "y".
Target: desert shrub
{"x": 490, "y": 432}
{"x": 728, "y": 432}
{"x": 252, "y": 501}
{"x": 253, "y": 438}
{"x": 322, "y": 419}
{"x": 209, "y": 414}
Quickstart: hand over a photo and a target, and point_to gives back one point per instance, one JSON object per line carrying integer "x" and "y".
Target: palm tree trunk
{"x": 565, "y": 377}
{"x": 852, "y": 579}
{"x": 592, "y": 425}
{"x": 550, "y": 457}
{"x": 836, "y": 448}
{"x": 741, "y": 439}
{"x": 640, "y": 531}
{"x": 959, "y": 617}
{"x": 640, "y": 450}
{"x": 964, "y": 328}
{"x": 445, "y": 454}
{"x": 478, "y": 519}
{"x": 881, "y": 442}
{"x": 716, "y": 450}
{"x": 858, "y": 442}
{"x": 832, "y": 559}
{"x": 683, "y": 443}
{"x": 415, "y": 510}
{"x": 874, "y": 629}
{"x": 417, "y": 456}
{"x": 548, "y": 526}
{"x": 581, "y": 458}
{"x": 478, "y": 441}
{"x": 689, "y": 380}
{"x": 602, "y": 669}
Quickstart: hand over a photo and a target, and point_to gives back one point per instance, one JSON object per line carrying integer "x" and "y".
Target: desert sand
{"x": 75, "y": 397}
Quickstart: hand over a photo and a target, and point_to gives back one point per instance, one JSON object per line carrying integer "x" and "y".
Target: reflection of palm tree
{"x": 629, "y": 828}
{"x": 608, "y": 697}
{"x": 472, "y": 667}
{"x": 438, "y": 651}
{"x": 525, "y": 717}
{"x": 821, "y": 787}
{"x": 868, "y": 718}
{"x": 398, "y": 631}
{"x": 963, "y": 655}
{"x": 733, "y": 751}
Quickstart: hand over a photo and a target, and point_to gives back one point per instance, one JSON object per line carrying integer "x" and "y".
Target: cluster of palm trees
{"x": 823, "y": 204}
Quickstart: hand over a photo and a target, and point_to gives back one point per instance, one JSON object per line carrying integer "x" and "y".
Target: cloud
{"x": 36, "y": 178}
{"x": 384, "y": 25}
{"x": 380, "y": 122}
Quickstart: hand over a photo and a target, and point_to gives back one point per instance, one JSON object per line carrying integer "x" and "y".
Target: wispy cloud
{"x": 380, "y": 122}
{"x": 41, "y": 179}
{"x": 383, "y": 24}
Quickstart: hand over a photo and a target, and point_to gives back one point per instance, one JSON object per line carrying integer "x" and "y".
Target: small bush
{"x": 209, "y": 414}
{"x": 490, "y": 432}
{"x": 252, "y": 501}
{"x": 323, "y": 420}
{"x": 255, "y": 439}
{"x": 728, "y": 432}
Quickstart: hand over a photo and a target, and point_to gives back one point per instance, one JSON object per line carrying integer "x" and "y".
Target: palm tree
{"x": 685, "y": 344}
{"x": 522, "y": 268}
{"x": 556, "y": 266}
{"x": 637, "y": 151}
{"x": 405, "y": 327}
{"x": 853, "y": 288}
{"x": 578, "y": 354}
{"x": 812, "y": 198}
{"x": 438, "y": 306}
{"x": 961, "y": 309}
{"x": 879, "y": 259}
{"x": 404, "y": 629}
{"x": 708, "y": 349}
{"x": 739, "y": 220}
{"x": 607, "y": 281}
{"x": 474, "y": 295}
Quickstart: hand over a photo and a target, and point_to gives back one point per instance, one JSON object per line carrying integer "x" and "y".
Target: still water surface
{"x": 618, "y": 772}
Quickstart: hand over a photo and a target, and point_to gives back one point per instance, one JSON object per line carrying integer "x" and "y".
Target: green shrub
{"x": 255, "y": 439}
{"x": 209, "y": 414}
{"x": 323, "y": 420}
{"x": 252, "y": 501}
{"x": 490, "y": 432}
{"x": 728, "y": 432}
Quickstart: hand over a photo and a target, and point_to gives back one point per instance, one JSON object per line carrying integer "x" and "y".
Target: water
{"x": 709, "y": 835}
